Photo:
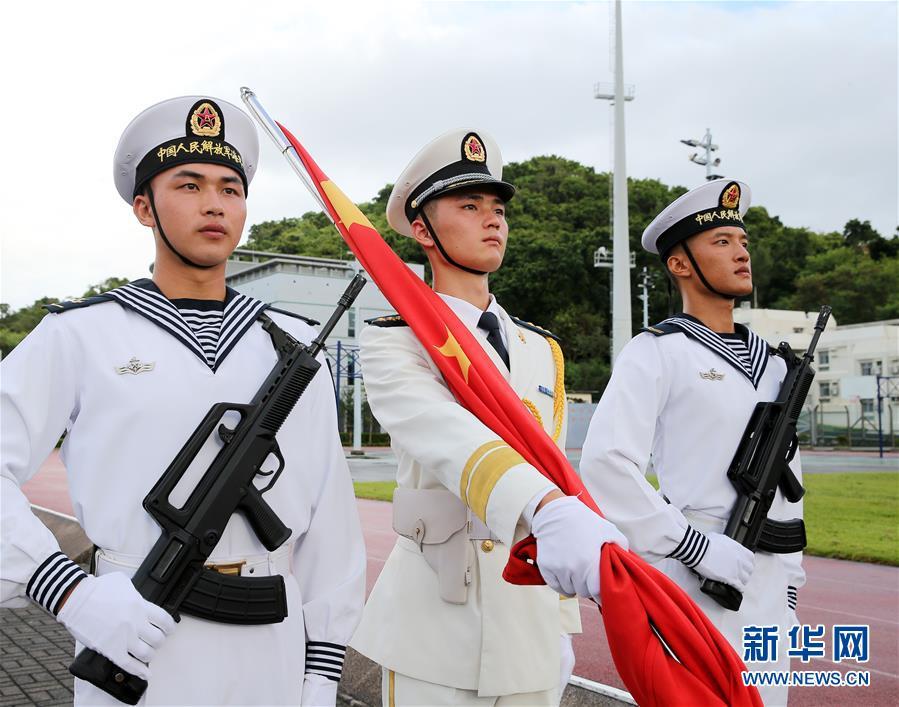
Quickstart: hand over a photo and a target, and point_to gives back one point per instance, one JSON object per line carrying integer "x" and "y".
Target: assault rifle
{"x": 761, "y": 465}
{"x": 173, "y": 573}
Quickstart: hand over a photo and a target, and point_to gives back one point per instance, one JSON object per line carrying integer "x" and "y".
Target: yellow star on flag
{"x": 348, "y": 212}
{"x": 452, "y": 349}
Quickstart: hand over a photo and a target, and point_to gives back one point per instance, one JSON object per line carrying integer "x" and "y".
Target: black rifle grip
{"x": 101, "y": 672}
{"x": 724, "y": 594}
{"x": 266, "y": 523}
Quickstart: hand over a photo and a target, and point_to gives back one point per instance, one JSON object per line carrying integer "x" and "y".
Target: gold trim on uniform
{"x": 205, "y": 121}
{"x": 391, "y": 688}
{"x": 558, "y": 389}
{"x": 533, "y": 410}
{"x": 472, "y": 461}
{"x": 487, "y": 475}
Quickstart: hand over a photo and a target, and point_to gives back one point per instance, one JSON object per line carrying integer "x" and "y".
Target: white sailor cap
{"x": 457, "y": 159}
{"x": 180, "y": 131}
{"x": 721, "y": 202}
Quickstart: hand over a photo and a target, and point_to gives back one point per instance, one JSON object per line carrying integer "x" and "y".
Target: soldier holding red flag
{"x": 441, "y": 621}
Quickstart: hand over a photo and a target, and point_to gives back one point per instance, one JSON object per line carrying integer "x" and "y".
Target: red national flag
{"x": 664, "y": 647}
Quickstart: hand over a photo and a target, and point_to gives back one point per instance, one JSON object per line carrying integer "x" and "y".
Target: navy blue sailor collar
{"x": 758, "y": 348}
{"x": 146, "y": 299}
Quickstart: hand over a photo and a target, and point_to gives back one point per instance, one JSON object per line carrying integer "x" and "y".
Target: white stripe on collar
{"x": 143, "y": 297}
{"x": 758, "y": 347}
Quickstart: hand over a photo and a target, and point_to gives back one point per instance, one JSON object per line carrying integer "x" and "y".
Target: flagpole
{"x": 283, "y": 144}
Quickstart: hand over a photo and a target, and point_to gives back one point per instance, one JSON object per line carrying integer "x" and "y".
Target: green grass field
{"x": 847, "y": 516}
{"x": 375, "y": 490}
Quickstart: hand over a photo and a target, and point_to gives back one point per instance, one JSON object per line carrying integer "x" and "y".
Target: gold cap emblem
{"x": 730, "y": 197}
{"x": 474, "y": 149}
{"x": 205, "y": 121}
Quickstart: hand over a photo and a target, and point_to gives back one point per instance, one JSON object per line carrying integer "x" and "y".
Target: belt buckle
{"x": 229, "y": 568}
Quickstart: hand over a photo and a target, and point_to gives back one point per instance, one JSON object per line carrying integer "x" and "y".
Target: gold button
{"x": 487, "y": 545}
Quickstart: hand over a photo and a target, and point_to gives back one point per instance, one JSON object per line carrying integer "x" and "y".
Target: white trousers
{"x": 400, "y": 690}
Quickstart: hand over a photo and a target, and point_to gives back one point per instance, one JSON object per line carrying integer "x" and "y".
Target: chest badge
{"x": 711, "y": 375}
{"x": 546, "y": 391}
{"x": 135, "y": 366}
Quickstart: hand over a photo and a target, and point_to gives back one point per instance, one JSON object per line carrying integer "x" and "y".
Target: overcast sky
{"x": 801, "y": 97}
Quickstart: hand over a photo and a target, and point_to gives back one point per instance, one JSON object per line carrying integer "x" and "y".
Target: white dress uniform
{"x": 128, "y": 378}
{"x": 128, "y": 391}
{"x": 444, "y": 625}
{"x": 678, "y": 402}
{"x": 504, "y": 639}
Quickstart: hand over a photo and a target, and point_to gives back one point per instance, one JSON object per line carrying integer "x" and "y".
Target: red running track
{"x": 837, "y": 592}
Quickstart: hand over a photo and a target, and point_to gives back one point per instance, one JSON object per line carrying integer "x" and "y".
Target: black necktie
{"x": 490, "y": 324}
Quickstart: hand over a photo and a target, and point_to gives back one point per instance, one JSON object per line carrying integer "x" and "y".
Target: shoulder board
{"x": 387, "y": 321}
{"x": 533, "y": 327}
{"x": 663, "y": 329}
{"x": 309, "y": 321}
{"x": 77, "y": 303}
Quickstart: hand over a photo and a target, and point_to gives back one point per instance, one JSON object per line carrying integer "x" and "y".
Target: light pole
{"x": 604, "y": 258}
{"x": 708, "y": 147}
{"x": 646, "y": 285}
{"x": 621, "y": 282}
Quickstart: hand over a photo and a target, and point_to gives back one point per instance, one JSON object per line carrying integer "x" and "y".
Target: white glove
{"x": 318, "y": 691}
{"x": 567, "y": 664}
{"x": 109, "y": 615}
{"x": 727, "y": 561}
{"x": 569, "y": 539}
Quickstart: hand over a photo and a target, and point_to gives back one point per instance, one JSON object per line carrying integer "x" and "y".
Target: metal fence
{"x": 848, "y": 426}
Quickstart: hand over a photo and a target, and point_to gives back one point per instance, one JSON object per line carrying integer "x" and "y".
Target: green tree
{"x": 859, "y": 288}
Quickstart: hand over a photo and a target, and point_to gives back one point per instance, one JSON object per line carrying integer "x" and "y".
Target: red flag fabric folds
{"x": 665, "y": 649}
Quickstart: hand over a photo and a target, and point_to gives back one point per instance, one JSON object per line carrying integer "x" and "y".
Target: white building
{"x": 308, "y": 286}
{"x": 848, "y": 360}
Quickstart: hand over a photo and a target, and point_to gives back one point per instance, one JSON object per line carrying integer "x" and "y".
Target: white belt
{"x": 267, "y": 564}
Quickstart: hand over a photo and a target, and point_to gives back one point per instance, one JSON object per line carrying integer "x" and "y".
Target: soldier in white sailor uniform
{"x": 683, "y": 391}
{"x": 441, "y": 621}
{"x": 128, "y": 375}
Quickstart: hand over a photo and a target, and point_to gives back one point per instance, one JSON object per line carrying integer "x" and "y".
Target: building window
{"x": 871, "y": 368}
{"x": 798, "y": 329}
{"x": 867, "y": 406}
{"x": 351, "y": 323}
{"x": 824, "y": 391}
{"x": 823, "y": 360}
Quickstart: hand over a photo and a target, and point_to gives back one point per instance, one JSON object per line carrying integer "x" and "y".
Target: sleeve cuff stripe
{"x": 47, "y": 569}
{"x": 325, "y": 653}
{"x": 333, "y": 677}
{"x": 40, "y": 569}
{"x": 324, "y": 644}
{"x": 69, "y": 582}
{"x": 50, "y": 583}
{"x": 56, "y": 575}
{"x": 323, "y": 663}
{"x": 692, "y": 548}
